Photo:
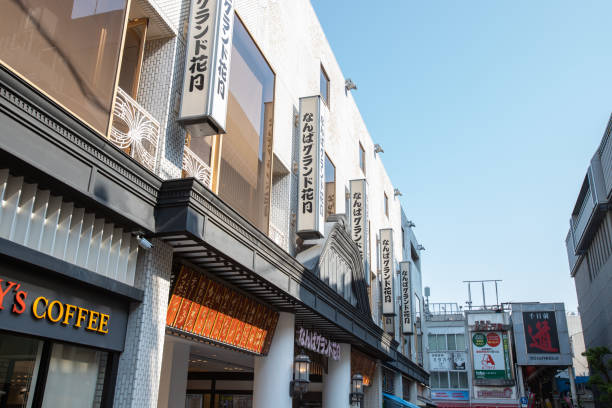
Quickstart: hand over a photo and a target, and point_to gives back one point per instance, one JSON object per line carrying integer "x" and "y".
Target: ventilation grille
{"x": 33, "y": 217}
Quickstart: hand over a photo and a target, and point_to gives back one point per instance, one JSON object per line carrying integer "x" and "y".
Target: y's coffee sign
{"x": 359, "y": 220}
{"x": 311, "y": 168}
{"x": 406, "y": 295}
{"x": 387, "y": 269}
{"x": 203, "y": 107}
{"x": 42, "y": 306}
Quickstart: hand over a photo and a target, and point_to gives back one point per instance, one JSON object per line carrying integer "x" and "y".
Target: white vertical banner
{"x": 311, "y": 186}
{"x": 406, "y": 296}
{"x": 388, "y": 269}
{"x": 358, "y": 213}
{"x": 207, "y": 66}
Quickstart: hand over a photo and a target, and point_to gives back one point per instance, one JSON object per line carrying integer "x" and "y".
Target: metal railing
{"x": 278, "y": 236}
{"x": 605, "y": 154}
{"x": 194, "y": 166}
{"x": 134, "y": 130}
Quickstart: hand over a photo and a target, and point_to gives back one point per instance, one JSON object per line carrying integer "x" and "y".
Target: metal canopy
{"x": 208, "y": 234}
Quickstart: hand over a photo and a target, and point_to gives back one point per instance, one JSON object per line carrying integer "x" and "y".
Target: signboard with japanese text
{"x": 447, "y": 361}
{"x": 359, "y": 219}
{"x": 406, "y": 296}
{"x": 495, "y": 392}
{"x": 450, "y": 395}
{"x": 318, "y": 343}
{"x": 311, "y": 168}
{"x": 491, "y": 355}
{"x": 541, "y": 334}
{"x": 388, "y": 271}
{"x": 203, "y": 107}
{"x": 205, "y": 308}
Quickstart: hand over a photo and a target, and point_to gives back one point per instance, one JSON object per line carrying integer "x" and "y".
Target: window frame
{"x": 327, "y": 158}
{"x": 386, "y": 203}
{"x": 362, "y": 159}
{"x": 323, "y": 73}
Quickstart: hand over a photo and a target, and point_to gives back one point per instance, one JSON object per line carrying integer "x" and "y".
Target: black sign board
{"x": 541, "y": 335}
{"x": 37, "y": 302}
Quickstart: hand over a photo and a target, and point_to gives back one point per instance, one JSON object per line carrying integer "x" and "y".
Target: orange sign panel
{"x": 208, "y": 309}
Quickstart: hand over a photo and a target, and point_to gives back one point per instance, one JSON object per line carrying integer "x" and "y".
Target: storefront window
{"x": 71, "y": 365}
{"x": 246, "y": 149}
{"x": 19, "y": 362}
{"x": 69, "y": 49}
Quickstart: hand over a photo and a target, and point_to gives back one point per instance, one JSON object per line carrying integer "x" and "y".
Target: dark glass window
{"x": 330, "y": 187}
{"x": 69, "y": 49}
{"x": 324, "y": 86}
{"x": 19, "y": 362}
{"x": 246, "y": 149}
{"x": 362, "y": 158}
{"x": 386, "y": 205}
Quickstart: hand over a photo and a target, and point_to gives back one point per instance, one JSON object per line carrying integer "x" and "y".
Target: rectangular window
{"x": 362, "y": 159}
{"x": 386, "y": 205}
{"x": 444, "y": 379}
{"x": 460, "y": 341}
{"x": 441, "y": 342}
{"x": 454, "y": 379}
{"x": 19, "y": 362}
{"x": 435, "y": 380}
{"x": 133, "y": 51}
{"x": 330, "y": 187}
{"x": 245, "y": 174}
{"x": 431, "y": 340}
{"x": 69, "y": 49}
{"x": 463, "y": 380}
{"x": 71, "y": 365}
{"x": 324, "y": 86}
{"x": 451, "y": 342}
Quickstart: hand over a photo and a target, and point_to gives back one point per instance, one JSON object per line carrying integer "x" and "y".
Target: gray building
{"x": 589, "y": 246}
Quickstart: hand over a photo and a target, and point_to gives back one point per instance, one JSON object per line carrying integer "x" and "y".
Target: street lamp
{"x": 301, "y": 373}
{"x": 357, "y": 389}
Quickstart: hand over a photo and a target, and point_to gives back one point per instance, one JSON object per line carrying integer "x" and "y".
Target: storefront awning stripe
{"x": 400, "y": 401}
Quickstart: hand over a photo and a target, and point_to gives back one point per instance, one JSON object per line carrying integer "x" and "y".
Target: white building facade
{"x": 203, "y": 165}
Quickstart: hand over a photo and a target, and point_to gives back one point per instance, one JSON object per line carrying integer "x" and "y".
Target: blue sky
{"x": 489, "y": 112}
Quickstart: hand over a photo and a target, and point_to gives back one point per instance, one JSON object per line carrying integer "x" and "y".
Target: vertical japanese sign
{"x": 359, "y": 220}
{"x": 406, "y": 296}
{"x": 207, "y": 66}
{"x": 541, "y": 332}
{"x": 387, "y": 265}
{"x": 311, "y": 191}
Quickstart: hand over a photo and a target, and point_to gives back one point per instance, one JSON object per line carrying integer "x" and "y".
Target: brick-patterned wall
{"x": 140, "y": 363}
{"x": 160, "y": 87}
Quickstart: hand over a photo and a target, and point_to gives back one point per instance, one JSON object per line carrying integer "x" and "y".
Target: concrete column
{"x": 397, "y": 385}
{"x": 274, "y": 372}
{"x": 140, "y": 363}
{"x": 337, "y": 382}
{"x": 373, "y": 394}
{"x": 414, "y": 392}
{"x": 174, "y": 371}
{"x": 572, "y": 379}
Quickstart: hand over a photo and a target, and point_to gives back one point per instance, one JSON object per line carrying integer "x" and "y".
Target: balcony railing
{"x": 195, "y": 167}
{"x": 278, "y": 236}
{"x": 134, "y": 130}
{"x": 605, "y": 154}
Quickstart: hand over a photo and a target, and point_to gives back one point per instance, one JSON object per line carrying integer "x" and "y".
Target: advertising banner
{"x": 406, "y": 296}
{"x": 447, "y": 361}
{"x": 207, "y": 67}
{"x": 388, "y": 271}
{"x": 541, "y": 334}
{"x": 311, "y": 189}
{"x": 495, "y": 392}
{"x": 490, "y": 355}
{"x": 450, "y": 395}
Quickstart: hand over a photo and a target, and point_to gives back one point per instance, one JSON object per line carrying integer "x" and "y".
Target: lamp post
{"x": 357, "y": 389}
{"x": 301, "y": 376}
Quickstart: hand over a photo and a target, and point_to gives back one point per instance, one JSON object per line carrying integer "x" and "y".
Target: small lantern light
{"x": 301, "y": 376}
{"x": 357, "y": 388}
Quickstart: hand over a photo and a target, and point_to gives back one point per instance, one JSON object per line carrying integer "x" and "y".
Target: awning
{"x": 391, "y": 401}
